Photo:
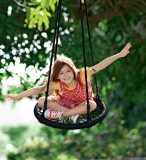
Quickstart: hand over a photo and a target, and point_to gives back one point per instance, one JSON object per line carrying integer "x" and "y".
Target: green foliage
{"x": 15, "y": 134}
{"x": 18, "y": 135}
{"x": 102, "y": 141}
{"x": 39, "y": 13}
{"x": 4, "y": 140}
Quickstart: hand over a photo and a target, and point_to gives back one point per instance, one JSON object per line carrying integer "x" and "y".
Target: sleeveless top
{"x": 71, "y": 98}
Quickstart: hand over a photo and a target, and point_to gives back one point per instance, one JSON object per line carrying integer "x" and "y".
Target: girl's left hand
{"x": 11, "y": 97}
{"x": 125, "y": 50}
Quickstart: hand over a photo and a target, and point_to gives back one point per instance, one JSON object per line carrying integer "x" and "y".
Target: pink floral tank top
{"x": 71, "y": 98}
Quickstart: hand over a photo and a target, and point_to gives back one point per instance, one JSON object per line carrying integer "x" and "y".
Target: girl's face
{"x": 66, "y": 74}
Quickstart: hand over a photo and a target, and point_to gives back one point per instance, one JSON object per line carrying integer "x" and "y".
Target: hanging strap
{"x": 91, "y": 51}
{"x": 52, "y": 55}
{"x": 85, "y": 66}
{"x": 58, "y": 22}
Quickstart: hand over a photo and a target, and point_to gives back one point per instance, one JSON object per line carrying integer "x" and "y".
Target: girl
{"x": 67, "y": 88}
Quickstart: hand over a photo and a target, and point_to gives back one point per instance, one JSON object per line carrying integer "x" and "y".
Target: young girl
{"x": 67, "y": 88}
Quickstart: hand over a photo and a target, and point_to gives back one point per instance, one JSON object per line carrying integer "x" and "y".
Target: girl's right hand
{"x": 11, "y": 97}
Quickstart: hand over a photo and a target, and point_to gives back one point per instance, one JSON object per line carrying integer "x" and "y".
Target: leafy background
{"x": 26, "y": 26}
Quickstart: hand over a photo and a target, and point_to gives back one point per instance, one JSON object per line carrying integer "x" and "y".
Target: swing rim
{"x": 89, "y": 123}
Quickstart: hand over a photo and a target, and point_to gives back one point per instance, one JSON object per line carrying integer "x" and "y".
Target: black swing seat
{"x": 66, "y": 123}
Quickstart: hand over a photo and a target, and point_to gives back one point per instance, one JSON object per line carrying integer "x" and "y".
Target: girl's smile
{"x": 66, "y": 79}
{"x": 66, "y": 75}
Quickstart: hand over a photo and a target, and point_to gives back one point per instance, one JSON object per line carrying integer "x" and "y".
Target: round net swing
{"x": 90, "y": 118}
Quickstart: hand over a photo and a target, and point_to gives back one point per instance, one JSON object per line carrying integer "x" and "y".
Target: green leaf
{"x": 43, "y": 3}
{"x": 28, "y": 14}
{"x": 34, "y": 3}
{"x": 47, "y": 2}
{"x": 52, "y": 7}
{"x": 50, "y": 2}
{"x": 47, "y": 13}
{"x": 32, "y": 13}
{"x": 38, "y": 8}
{"x": 32, "y": 22}
{"x": 46, "y": 22}
{"x": 40, "y": 21}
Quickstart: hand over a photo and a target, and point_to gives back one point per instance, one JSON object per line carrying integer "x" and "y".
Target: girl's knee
{"x": 92, "y": 105}
{"x": 41, "y": 101}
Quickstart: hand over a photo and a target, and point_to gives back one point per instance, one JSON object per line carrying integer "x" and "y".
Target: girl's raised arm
{"x": 29, "y": 92}
{"x": 110, "y": 60}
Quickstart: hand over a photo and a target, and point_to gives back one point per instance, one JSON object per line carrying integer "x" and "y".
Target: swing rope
{"x": 92, "y": 57}
{"x": 57, "y": 26}
{"x": 50, "y": 67}
{"x": 85, "y": 66}
{"x": 91, "y": 50}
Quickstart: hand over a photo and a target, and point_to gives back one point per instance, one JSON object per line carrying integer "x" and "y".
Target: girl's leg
{"x": 51, "y": 104}
{"x": 81, "y": 109}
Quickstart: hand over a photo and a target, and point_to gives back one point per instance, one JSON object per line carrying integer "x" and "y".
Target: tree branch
{"x": 19, "y": 4}
{"x": 116, "y": 9}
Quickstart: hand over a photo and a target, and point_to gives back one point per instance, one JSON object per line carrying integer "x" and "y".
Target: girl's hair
{"x": 58, "y": 64}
